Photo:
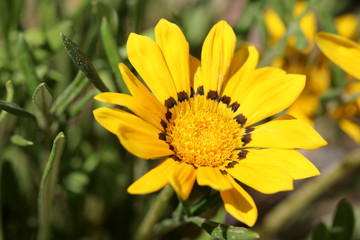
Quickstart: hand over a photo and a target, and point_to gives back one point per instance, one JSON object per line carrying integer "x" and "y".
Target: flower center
{"x": 204, "y": 136}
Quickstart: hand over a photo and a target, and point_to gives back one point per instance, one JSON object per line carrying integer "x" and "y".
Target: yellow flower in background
{"x": 346, "y": 54}
{"x": 201, "y": 117}
{"x": 307, "y": 61}
{"x": 277, "y": 28}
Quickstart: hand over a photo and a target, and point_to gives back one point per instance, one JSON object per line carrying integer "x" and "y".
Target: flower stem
{"x": 145, "y": 230}
{"x": 298, "y": 201}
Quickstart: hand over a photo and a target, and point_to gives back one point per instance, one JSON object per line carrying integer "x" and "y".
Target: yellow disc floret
{"x": 204, "y": 136}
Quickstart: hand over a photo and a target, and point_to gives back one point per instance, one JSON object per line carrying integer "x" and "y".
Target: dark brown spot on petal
{"x": 242, "y": 154}
{"x": 170, "y": 102}
{"x": 176, "y": 158}
{"x": 231, "y": 164}
{"x": 241, "y": 119}
{"x": 249, "y": 129}
{"x": 162, "y": 136}
{"x": 234, "y": 106}
{"x": 212, "y": 94}
{"x": 192, "y": 92}
{"x": 191, "y": 164}
{"x": 182, "y": 96}
{"x": 163, "y": 124}
{"x": 246, "y": 139}
{"x": 200, "y": 90}
{"x": 223, "y": 172}
{"x": 168, "y": 115}
{"x": 171, "y": 147}
{"x": 225, "y": 99}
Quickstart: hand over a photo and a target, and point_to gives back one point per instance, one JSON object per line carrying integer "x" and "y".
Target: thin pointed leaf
{"x": 320, "y": 232}
{"x": 112, "y": 53}
{"x": 43, "y": 97}
{"x": 15, "y": 109}
{"x": 27, "y": 65}
{"x": 9, "y": 97}
{"x": 344, "y": 222}
{"x": 47, "y": 185}
{"x": 223, "y": 231}
{"x": 20, "y": 141}
{"x": 83, "y": 63}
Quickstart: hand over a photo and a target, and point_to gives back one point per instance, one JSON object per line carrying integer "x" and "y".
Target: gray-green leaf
{"x": 223, "y": 231}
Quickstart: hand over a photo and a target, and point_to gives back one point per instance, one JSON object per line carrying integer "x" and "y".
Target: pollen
{"x": 204, "y": 133}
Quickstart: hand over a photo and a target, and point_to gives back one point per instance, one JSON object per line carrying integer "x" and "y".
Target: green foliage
{"x": 342, "y": 227}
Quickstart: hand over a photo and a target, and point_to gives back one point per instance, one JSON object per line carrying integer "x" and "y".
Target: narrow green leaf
{"x": 223, "y": 231}
{"x": 43, "y": 97}
{"x": 47, "y": 185}
{"x": 326, "y": 20}
{"x": 112, "y": 53}
{"x": 320, "y": 232}
{"x": 20, "y": 141}
{"x": 9, "y": 97}
{"x": 15, "y": 109}
{"x": 249, "y": 15}
{"x": 76, "y": 87}
{"x": 83, "y": 63}
{"x": 344, "y": 222}
{"x": 27, "y": 65}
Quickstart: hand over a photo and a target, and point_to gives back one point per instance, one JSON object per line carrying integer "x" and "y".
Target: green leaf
{"x": 112, "y": 53}
{"x": 43, "y": 97}
{"x": 223, "y": 231}
{"x": 320, "y": 232}
{"x": 344, "y": 222}
{"x": 20, "y": 141}
{"x": 83, "y": 63}
{"x": 9, "y": 97}
{"x": 47, "y": 186}
{"x": 76, "y": 87}
{"x": 15, "y": 109}
{"x": 27, "y": 65}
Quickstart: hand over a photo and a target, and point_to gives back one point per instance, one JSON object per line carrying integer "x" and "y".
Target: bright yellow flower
{"x": 201, "y": 115}
{"x": 346, "y": 54}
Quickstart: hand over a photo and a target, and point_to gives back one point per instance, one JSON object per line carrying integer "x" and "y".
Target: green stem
{"x": 145, "y": 230}
{"x": 300, "y": 199}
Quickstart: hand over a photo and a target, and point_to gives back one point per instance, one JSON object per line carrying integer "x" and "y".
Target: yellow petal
{"x": 287, "y": 134}
{"x": 209, "y": 176}
{"x": 155, "y": 179}
{"x": 146, "y": 57}
{"x": 264, "y": 178}
{"x": 346, "y": 25}
{"x": 290, "y": 161}
{"x": 274, "y": 25}
{"x": 240, "y": 79}
{"x": 343, "y": 52}
{"x": 137, "y": 136}
{"x": 350, "y": 128}
{"x": 194, "y": 65}
{"x": 176, "y": 52}
{"x": 134, "y": 104}
{"x": 139, "y": 91}
{"x": 182, "y": 179}
{"x": 216, "y": 55}
{"x": 239, "y": 204}
{"x": 270, "y": 97}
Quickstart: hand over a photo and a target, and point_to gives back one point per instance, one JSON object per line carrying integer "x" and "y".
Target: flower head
{"x": 201, "y": 117}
